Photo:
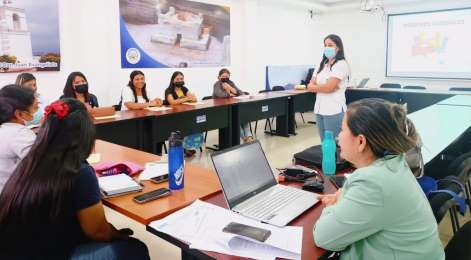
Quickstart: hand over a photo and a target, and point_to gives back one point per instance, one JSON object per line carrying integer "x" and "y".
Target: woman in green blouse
{"x": 381, "y": 211}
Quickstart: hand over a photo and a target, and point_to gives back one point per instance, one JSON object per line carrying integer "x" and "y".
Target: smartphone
{"x": 159, "y": 179}
{"x": 162, "y": 192}
{"x": 256, "y": 233}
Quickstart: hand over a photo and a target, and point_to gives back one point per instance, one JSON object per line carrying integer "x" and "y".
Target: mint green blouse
{"x": 383, "y": 214}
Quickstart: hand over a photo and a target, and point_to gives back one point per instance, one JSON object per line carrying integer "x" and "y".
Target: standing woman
{"x": 175, "y": 94}
{"x": 28, "y": 80}
{"x": 330, "y": 82}
{"x": 52, "y": 202}
{"x": 134, "y": 95}
{"x": 76, "y": 87}
{"x": 17, "y": 107}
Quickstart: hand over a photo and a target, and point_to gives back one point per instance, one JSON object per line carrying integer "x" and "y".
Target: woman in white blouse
{"x": 17, "y": 107}
{"x": 330, "y": 82}
{"x": 134, "y": 95}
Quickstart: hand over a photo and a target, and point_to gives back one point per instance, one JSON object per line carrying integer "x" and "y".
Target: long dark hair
{"x": 171, "y": 85}
{"x": 384, "y": 124}
{"x": 340, "y": 53}
{"x": 69, "y": 88}
{"x": 133, "y": 88}
{"x": 40, "y": 189}
{"x": 12, "y": 98}
{"x": 23, "y": 78}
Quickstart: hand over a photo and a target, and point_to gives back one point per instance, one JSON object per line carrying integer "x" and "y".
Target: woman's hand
{"x": 330, "y": 199}
{"x": 158, "y": 102}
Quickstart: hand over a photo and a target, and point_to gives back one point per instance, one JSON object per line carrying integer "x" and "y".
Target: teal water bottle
{"x": 328, "y": 153}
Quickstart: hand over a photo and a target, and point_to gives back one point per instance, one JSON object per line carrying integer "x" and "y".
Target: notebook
{"x": 118, "y": 184}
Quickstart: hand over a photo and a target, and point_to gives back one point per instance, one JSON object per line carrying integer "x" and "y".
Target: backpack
{"x": 313, "y": 156}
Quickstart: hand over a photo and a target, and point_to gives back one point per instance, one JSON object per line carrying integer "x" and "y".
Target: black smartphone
{"x": 256, "y": 233}
{"x": 152, "y": 195}
{"x": 159, "y": 179}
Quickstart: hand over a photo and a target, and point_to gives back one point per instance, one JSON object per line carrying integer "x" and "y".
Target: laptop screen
{"x": 243, "y": 172}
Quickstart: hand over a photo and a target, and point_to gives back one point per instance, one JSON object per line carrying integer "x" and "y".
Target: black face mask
{"x": 82, "y": 89}
{"x": 179, "y": 84}
{"x": 224, "y": 80}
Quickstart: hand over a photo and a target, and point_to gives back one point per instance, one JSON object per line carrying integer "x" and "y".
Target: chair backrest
{"x": 441, "y": 203}
{"x": 460, "y": 89}
{"x": 459, "y": 245}
{"x": 278, "y": 88}
{"x": 207, "y": 97}
{"x": 414, "y": 87}
{"x": 390, "y": 85}
{"x": 265, "y": 91}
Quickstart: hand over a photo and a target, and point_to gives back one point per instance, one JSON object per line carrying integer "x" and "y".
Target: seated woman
{"x": 381, "y": 212}
{"x": 134, "y": 95}
{"x": 175, "y": 94}
{"x": 28, "y": 80}
{"x": 52, "y": 203}
{"x": 17, "y": 107}
{"x": 76, "y": 87}
{"x": 225, "y": 88}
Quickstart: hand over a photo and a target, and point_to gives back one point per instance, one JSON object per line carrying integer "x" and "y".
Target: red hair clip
{"x": 59, "y": 107}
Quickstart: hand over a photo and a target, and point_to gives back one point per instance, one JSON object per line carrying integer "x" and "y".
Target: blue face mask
{"x": 329, "y": 52}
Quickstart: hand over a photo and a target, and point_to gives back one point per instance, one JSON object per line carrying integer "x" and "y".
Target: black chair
{"x": 390, "y": 85}
{"x": 414, "y": 87}
{"x": 214, "y": 147}
{"x": 459, "y": 246}
{"x": 460, "y": 89}
{"x": 442, "y": 203}
{"x": 461, "y": 168}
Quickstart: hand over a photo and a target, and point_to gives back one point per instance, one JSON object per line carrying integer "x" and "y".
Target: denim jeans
{"x": 329, "y": 123}
{"x": 115, "y": 250}
{"x": 245, "y": 130}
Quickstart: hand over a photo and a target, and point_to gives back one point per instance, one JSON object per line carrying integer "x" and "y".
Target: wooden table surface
{"x": 199, "y": 184}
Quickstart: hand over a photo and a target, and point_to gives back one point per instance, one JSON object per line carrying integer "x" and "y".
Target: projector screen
{"x": 432, "y": 44}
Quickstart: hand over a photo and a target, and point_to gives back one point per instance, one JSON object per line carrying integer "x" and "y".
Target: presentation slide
{"x": 430, "y": 44}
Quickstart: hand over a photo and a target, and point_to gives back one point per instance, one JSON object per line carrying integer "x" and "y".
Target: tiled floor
{"x": 279, "y": 151}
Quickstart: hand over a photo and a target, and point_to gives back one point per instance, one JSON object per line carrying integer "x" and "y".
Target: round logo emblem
{"x": 133, "y": 55}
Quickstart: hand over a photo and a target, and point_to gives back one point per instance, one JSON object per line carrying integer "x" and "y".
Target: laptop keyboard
{"x": 265, "y": 208}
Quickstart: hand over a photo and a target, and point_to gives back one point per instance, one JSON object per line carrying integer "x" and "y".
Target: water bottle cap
{"x": 175, "y": 139}
{"x": 328, "y": 135}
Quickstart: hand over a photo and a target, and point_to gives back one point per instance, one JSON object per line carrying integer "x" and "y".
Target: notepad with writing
{"x": 118, "y": 184}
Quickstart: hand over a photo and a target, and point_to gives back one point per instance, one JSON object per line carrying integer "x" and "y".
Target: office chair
{"x": 414, "y": 87}
{"x": 459, "y": 246}
{"x": 390, "y": 85}
{"x": 442, "y": 203}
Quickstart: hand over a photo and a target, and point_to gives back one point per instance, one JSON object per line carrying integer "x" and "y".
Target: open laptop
{"x": 363, "y": 83}
{"x": 250, "y": 188}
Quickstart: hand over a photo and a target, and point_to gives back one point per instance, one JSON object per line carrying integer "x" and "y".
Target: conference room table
{"x": 415, "y": 99}
{"x": 305, "y": 220}
{"x": 145, "y": 129}
{"x": 199, "y": 182}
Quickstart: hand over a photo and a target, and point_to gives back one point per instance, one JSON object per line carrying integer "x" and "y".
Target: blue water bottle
{"x": 328, "y": 153}
{"x": 175, "y": 161}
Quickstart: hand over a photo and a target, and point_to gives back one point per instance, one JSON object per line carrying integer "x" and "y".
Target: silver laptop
{"x": 363, "y": 83}
{"x": 250, "y": 188}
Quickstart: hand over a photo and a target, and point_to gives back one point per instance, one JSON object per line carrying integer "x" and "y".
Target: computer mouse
{"x": 313, "y": 185}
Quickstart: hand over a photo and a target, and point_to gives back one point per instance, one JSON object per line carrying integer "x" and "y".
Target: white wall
{"x": 364, "y": 37}
{"x": 262, "y": 32}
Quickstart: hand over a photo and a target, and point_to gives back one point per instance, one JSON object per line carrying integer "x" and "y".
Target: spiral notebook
{"x": 118, "y": 184}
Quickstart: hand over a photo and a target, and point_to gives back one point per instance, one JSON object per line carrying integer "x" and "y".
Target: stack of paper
{"x": 194, "y": 103}
{"x": 242, "y": 97}
{"x": 153, "y": 169}
{"x": 157, "y": 109}
{"x": 201, "y": 224}
{"x": 118, "y": 184}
